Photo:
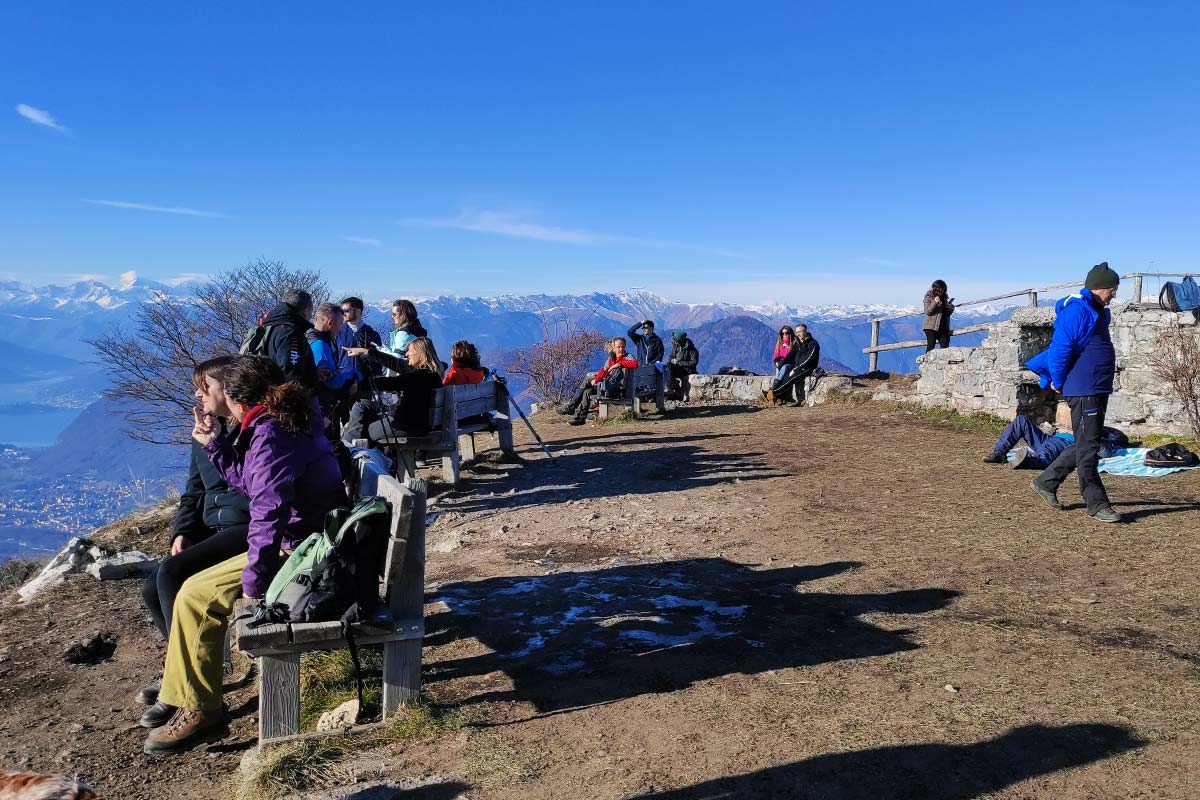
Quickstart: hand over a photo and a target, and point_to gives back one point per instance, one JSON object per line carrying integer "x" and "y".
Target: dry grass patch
{"x": 494, "y": 761}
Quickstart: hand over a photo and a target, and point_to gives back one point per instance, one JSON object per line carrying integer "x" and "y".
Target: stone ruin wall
{"x": 991, "y": 377}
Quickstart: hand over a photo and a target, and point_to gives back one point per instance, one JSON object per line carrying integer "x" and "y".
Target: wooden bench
{"x": 400, "y": 625}
{"x": 644, "y": 383}
{"x": 458, "y": 413}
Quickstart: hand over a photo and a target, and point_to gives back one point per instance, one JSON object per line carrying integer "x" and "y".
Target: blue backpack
{"x": 1183, "y": 295}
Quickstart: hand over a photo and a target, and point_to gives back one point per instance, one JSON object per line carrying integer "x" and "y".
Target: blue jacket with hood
{"x": 1080, "y": 360}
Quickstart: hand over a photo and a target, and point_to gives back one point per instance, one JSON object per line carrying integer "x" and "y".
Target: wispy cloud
{"x": 187, "y": 212}
{"x": 40, "y": 117}
{"x": 363, "y": 240}
{"x": 519, "y": 226}
{"x": 184, "y": 278}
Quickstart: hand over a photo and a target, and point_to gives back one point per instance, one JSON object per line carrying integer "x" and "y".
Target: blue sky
{"x": 750, "y": 151}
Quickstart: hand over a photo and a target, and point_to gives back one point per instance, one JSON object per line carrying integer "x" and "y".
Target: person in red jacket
{"x": 464, "y": 365}
{"x": 606, "y": 383}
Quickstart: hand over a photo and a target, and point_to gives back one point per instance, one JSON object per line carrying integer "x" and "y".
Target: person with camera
{"x": 650, "y": 349}
{"x": 608, "y": 382}
{"x": 938, "y": 307}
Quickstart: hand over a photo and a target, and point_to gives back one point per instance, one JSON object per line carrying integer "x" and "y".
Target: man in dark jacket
{"x": 683, "y": 362}
{"x": 649, "y": 345}
{"x": 1081, "y": 363}
{"x": 285, "y": 342}
{"x": 356, "y": 333}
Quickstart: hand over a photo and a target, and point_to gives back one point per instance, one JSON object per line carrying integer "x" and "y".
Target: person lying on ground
{"x": 209, "y": 526}
{"x": 282, "y": 461}
{"x": 682, "y": 363}
{"x": 608, "y": 382}
{"x": 1040, "y": 448}
{"x": 648, "y": 344}
{"x": 464, "y": 365}
{"x": 415, "y": 381}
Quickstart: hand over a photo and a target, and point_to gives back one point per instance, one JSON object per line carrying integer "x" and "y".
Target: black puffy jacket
{"x": 208, "y": 503}
{"x": 287, "y": 346}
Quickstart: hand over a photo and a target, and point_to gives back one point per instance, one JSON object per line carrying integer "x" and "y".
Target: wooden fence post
{"x": 874, "y": 361}
{"x": 1137, "y": 288}
{"x": 1032, "y": 299}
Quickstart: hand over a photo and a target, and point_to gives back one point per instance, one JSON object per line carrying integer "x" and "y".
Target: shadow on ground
{"x": 574, "y": 639}
{"x": 582, "y": 475}
{"x": 922, "y": 771}
{"x": 435, "y": 791}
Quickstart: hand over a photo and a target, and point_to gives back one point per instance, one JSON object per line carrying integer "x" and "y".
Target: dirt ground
{"x": 729, "y": 603}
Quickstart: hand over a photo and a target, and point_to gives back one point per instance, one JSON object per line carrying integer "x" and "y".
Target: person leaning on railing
{"x": 938, "y": 307}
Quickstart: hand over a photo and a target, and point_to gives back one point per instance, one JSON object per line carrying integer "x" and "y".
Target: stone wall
{"x": 991, "y": 377}
{"x": 749, "y": 388}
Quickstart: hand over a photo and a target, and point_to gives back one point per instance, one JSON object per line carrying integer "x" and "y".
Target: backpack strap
{"x": 348, "y": 632}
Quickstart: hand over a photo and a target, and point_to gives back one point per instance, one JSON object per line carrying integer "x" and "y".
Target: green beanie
{"x": 1101, "y": 277}
{"x": 679, "y": 336}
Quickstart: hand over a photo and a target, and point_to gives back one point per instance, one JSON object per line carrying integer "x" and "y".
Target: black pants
{"x": 161, "y": 586}
{"x": 940, "y": 336}
{"x": 611, "y": 386}
{"x": 675, "y": 382}
{"x": 1083, "y": 455}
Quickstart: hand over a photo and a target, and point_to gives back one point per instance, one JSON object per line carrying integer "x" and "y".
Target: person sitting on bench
{"x": 282, "y": 461}
{"x": 415, "y": 380}
{"x": 680, "y": 366}
{"x": 464, "y": 365}
{"x": 608, "y": 382}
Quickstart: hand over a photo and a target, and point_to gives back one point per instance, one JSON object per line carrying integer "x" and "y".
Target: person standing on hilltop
{"x": 355, "y": 333}
{"x": 1081, "y": 363}
{"x": 284, "y": 341}
{"x": 938, "y": 307}
{"x": 650, "y": 349}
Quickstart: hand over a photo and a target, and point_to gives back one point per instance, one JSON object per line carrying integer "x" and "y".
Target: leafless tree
{"x": 1176, "y": 361}
{"x": 151, "y": 361}
{"x": 556, "y": 366}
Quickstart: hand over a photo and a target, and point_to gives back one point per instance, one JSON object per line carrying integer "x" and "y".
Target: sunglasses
{"x": 346, "y": 309}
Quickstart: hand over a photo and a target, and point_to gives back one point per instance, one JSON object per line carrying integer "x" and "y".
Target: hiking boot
{"x": 157, "y": 715}
{"x": 1021, "y": 456}
{"x": 995, "y": 457}
{"x": 1050, "y": 497}
{"x": 1106, "y": 514}
{"x": 184, "y": 729}
{"x": 148, "y": 695}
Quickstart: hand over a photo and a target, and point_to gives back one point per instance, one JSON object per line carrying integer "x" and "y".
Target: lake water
{"x": 26, "y": 540}
{"x": 33, "y": 425}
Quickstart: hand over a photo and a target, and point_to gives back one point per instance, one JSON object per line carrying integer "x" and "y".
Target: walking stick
{"x": 504, "y": 385}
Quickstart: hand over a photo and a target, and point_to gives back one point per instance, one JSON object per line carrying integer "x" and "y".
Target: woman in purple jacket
{"x": 282, "y": 461}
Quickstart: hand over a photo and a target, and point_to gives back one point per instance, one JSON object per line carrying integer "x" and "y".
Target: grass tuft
{"x": 16, "y": 572}
{"x": 493, "y": 761}
{"x": 979, "y": 423}
{"x": 319, "y": 763}
{"x": 327, "y": 681}
{"x": 1153, "y": 440}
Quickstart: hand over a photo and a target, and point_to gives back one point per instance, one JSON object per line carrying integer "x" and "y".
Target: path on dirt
{"x": 734, "y": 602}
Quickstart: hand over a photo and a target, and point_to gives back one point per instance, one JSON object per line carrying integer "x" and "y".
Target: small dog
{"x": 27, "y": 786}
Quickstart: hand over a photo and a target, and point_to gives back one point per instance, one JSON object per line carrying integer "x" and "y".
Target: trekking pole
{"x": 504, "y": 385}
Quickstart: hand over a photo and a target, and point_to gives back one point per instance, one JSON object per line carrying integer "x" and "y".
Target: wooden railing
{"x": 1032, "y": 294}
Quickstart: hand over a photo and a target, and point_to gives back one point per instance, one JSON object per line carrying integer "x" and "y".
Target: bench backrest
{"x": 644, "y": 381}
{"x": 405, "y": 556}
{"x": 467, "y": 400}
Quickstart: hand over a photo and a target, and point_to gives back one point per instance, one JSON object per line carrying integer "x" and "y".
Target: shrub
{"x": 1176, "y": 361}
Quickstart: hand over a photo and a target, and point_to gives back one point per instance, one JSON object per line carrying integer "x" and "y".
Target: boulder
{"x": 130, "y": 564}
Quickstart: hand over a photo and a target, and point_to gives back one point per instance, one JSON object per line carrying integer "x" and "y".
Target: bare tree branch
{"x": 1176, "y": 361}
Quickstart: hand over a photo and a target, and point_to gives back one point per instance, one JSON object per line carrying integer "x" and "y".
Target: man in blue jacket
{"x": 1080, "y": 363}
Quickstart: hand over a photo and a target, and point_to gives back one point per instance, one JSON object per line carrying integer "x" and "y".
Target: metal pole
{"x": 874, "y": 343}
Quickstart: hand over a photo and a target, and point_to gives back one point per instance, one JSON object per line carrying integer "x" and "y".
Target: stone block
{"x": 130, "y": 564}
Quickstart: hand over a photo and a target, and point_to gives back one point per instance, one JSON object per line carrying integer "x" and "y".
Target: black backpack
{"x": 1114, "y": 438}
{"x": 254, "y": 343}
{"x": 1171, "y": 456}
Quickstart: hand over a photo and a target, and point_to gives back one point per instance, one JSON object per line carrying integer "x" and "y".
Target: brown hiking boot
{"x": 185, "y": 728}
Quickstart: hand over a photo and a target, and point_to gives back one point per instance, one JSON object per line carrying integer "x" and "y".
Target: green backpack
{"x": 334, "y": 573}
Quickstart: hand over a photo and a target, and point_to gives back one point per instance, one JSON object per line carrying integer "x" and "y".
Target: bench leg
{"x": 637, "y": 406}
{"x": 504, "y": 436}
{"x": 466, "y": 446}
{"x": 450, "y": 464}
{"x": 406, "y": 464}
{"x": 401, "y": 674}
{"x": 279, "y": 696}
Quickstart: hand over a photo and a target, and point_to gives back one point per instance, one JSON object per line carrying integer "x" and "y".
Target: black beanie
{"x": 1101, "y": 277}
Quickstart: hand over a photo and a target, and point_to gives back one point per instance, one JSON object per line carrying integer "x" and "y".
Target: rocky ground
{"x": 733, "y": 602}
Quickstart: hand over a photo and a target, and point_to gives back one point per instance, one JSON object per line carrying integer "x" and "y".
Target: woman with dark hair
{"x": 407, "y": 327}
{"x": 464, "y": 365}
{"x": 938, "y": 308}
{"x": 282, "y": 461}
{"x": 784, "y": 357}
{"x": 415, "y": 380}
{"x": 210, "y": 524}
